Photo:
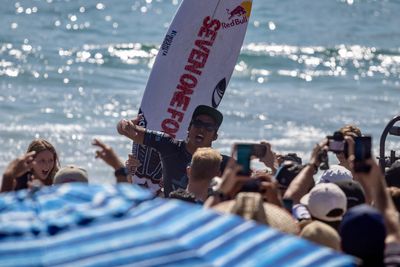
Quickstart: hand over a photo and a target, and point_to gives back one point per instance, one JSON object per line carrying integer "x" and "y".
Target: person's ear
{"x": 188, "y": 171}
{"x": 215, "y": 136}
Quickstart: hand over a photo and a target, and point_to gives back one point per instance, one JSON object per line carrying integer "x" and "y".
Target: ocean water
{"x": 69, "y": 70}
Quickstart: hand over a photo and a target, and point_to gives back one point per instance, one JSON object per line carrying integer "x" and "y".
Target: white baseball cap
{"x": 326, "y": 202}
{"x": 334, "y": 174}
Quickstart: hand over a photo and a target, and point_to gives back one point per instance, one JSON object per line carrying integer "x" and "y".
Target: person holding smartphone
{"x": 355, "y": 230}
{"x": 348, "y": 131}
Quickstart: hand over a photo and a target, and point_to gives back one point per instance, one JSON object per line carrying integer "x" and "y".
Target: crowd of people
{"x": 338, "y": 206}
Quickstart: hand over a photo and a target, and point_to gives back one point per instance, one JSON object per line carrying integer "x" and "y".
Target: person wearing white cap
{"x": 335, "y": 173}
{"x": 326, "y": 202}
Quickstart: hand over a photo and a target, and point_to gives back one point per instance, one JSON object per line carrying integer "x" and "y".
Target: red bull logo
{"x": 237, "y": 12}
{"x": 238, "y": 15}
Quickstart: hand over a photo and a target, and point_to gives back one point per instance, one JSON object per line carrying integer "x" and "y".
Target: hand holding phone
{"x": 362, "y": 152}
{"x": 243, "y": 157}
{"x": 243, "y": 153}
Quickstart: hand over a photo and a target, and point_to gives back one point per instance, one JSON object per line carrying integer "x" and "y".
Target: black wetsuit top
{"x": 174, "y": 159}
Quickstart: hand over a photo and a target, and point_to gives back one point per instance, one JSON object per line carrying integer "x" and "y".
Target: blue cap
{"x": 363, "y": 234}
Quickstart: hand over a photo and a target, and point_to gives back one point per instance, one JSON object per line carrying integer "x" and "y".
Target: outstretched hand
{"x": 269, "y": 158}
{"x": 315, "y": 158}
{"x": 17, "y": 168}
{"x": 107, "y": 154}
{"x": 129, "y": 127}
{"x": 269, "y": 189}
{"x": 21, "y": 165}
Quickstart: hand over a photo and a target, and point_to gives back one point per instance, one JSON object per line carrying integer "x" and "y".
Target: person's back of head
{"x": 322, "y": 234}
{"x": 350, "y": 130}
{"x": 354, "y": 192}
{"x": 363, "y": 234}
{"x": 71, "y": 174}
{"x": 205, "y": 164}
{"x": 286, "y": 173}
{"x": 251, "y": 206}
{"x": 334, "y": 174}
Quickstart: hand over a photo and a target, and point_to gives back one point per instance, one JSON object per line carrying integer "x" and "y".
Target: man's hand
{"x": 132, "y": 164}
{"x": 269, "y": 158}
{"x": 269, "y": 189}
{"x": 17, "y": 168}
{"x": 317, "y": 150}
{"x": 107, "y": 154}
{"x": 131, "y": 129}
{"x": 20, "y": 165}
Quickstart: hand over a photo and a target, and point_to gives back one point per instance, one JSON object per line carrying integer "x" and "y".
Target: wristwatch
{"x": 123, "y": 171}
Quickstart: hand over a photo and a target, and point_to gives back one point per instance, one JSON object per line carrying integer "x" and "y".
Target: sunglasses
{"x": 208, "y": 126}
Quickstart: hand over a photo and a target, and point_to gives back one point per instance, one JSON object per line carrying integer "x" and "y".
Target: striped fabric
{"x": 105, "y": 225}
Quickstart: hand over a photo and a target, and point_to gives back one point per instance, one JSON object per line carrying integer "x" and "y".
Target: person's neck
{"x": 190, "y": 147}
{"x": 199, "y": 189}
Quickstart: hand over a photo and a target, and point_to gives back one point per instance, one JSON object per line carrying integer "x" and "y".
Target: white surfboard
{"x": 193, "y": 66}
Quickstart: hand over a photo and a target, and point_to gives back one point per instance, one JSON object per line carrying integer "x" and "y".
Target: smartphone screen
{"x": 362, "y": 151}
{"x": 243, "y": 156}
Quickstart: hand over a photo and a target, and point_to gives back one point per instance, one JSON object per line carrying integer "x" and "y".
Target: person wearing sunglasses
{"x": 176, "y": 155}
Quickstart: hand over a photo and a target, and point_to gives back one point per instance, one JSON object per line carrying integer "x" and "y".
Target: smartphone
{"x": 362, "y": 152}
{"x": 254, "y": 185}
{"x": 243, "y": 157}
{"x": 244, "y": 151}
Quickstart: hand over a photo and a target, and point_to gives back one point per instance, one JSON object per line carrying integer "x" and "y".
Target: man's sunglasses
{"x": 208, "y": 126}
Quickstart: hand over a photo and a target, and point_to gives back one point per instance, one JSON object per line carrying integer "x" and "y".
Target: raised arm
{"x": 17, "y": 168}
{"x": 269, "y": 158}
{"x": 374, "y": 183}
{"x": 302, "y": 183}
{"x": 107, "y": 154}
{"x": 132, "y": 130}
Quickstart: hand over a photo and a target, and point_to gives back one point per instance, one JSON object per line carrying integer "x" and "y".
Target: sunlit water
{"x": 69, "y": 70}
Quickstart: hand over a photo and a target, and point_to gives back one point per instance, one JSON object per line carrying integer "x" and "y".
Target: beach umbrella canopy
{"x": 116, "y": 225}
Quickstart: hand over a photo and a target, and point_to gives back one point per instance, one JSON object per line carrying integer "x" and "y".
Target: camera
{"x": 292, "y": 157}
{"x": 323, "y": 158}
{"x": 244, "y": 151}
{"x": 337, "y": 143}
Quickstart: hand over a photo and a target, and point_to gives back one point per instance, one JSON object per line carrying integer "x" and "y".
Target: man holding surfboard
{"x": 177, "y": 154}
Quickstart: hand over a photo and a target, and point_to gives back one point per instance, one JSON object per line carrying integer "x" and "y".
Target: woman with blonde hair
{"x": 39, "y": 163}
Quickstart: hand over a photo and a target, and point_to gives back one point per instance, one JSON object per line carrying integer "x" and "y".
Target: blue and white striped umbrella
{"x": 105, "y": 225}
